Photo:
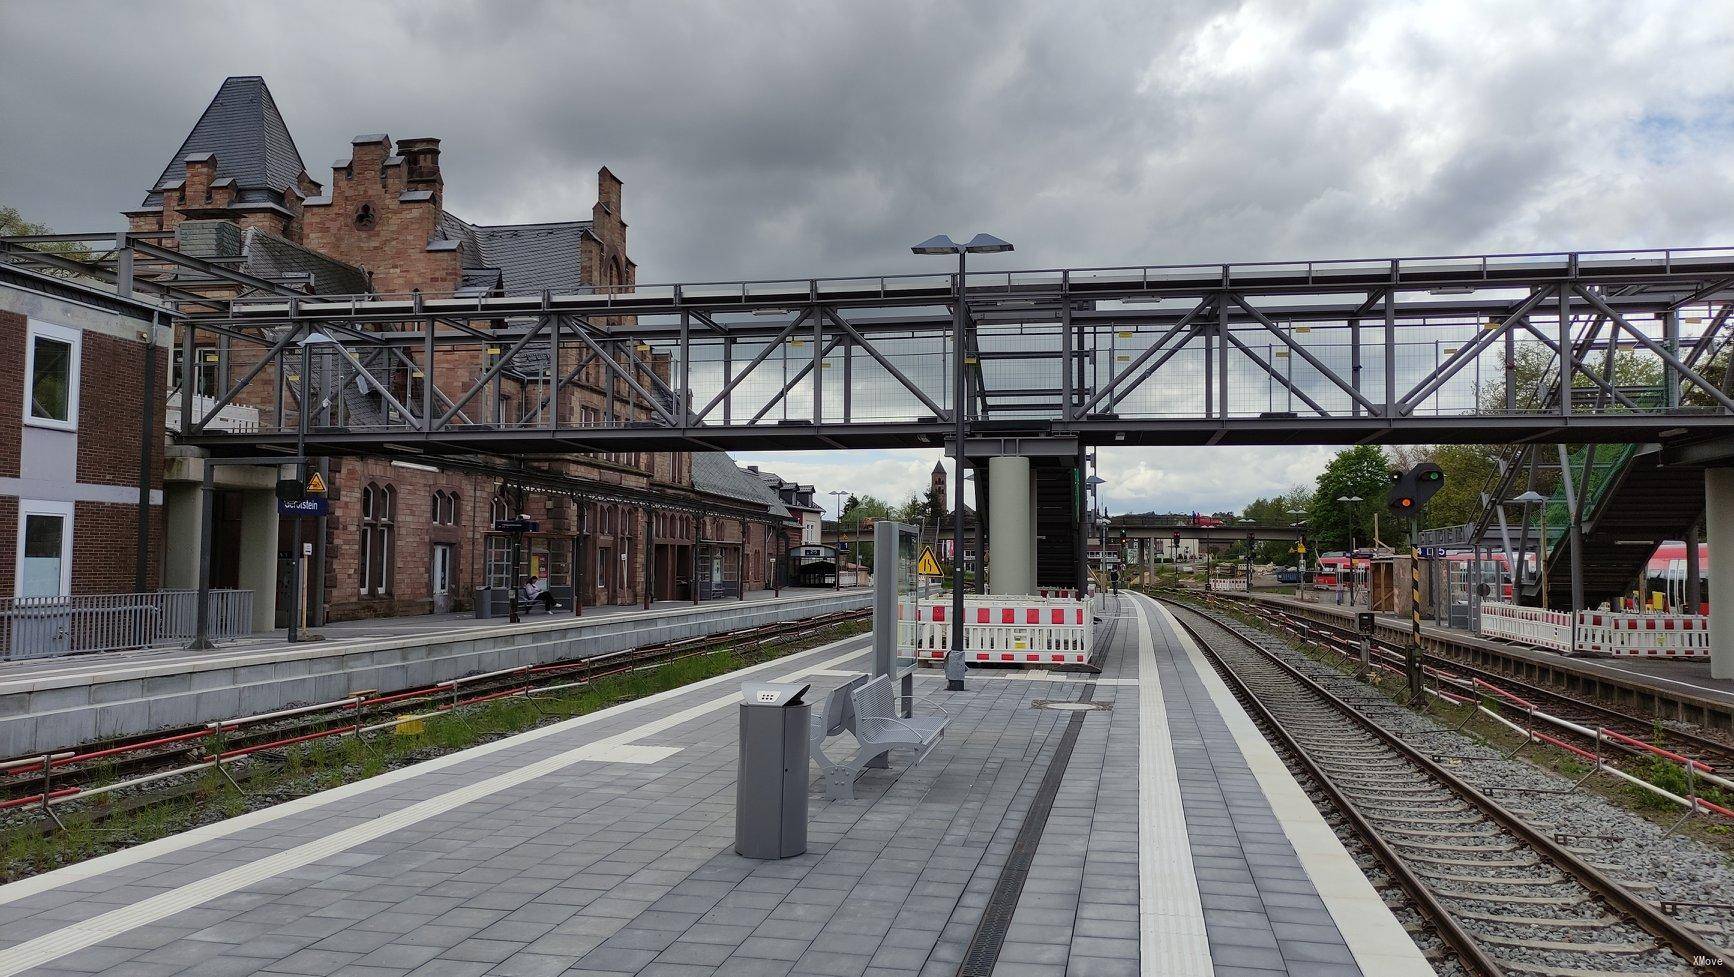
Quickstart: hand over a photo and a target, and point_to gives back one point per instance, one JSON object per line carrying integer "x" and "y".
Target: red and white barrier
{"x": 1614, "y": 633}
{"x": 1002, "y": 630}
{"x": 1527, "y": 625}
{"x": 1643, "y": 635}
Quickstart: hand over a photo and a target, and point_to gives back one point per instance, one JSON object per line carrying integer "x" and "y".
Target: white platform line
{"x": 90, "y": 868}
{"x": 1172, "y": 940}
{"x": 613, "y": 749}
{"x": 1374, "y": 935}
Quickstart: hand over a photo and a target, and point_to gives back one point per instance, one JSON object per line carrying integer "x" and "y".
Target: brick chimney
{"x": 421, "y": 158}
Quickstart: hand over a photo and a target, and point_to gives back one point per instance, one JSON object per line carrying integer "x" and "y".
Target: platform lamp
{"x": 1351, "y": 501}
{"x": 297, "y": 591}
{"x": 1532, "y": 498}
{"x": 943, "y": 244}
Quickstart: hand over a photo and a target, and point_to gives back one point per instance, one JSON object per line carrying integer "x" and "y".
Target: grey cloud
{"x": 774, "y": 138}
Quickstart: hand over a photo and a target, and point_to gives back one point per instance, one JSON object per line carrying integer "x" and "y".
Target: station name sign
{"x": 311, "y": 506}
{"x": 518, "y": 525}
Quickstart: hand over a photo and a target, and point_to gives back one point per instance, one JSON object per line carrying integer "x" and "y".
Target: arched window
{"x": 378, "y": 518}
{"x": 498, "y": 510}
{"x": 451, "y": 508}
{"x": 438, "y": 509}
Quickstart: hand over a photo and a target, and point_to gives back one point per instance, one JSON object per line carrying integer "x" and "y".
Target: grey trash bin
{"x": 771, "y": 780}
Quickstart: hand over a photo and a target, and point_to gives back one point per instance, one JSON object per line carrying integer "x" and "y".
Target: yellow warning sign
{"x": 316, "y": 485}
{"x": 928, "y": 567}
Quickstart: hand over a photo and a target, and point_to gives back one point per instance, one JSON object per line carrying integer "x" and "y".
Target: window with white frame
{"x": 44, "y": 549}
{"x": 51, "y": 376}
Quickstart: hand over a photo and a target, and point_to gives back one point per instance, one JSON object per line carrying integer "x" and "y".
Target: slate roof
{"x": 270, "y": 256}
{"x": 250, "y": 139}
{"x": 716, "y": 473}
{"x": 528, "y": 257}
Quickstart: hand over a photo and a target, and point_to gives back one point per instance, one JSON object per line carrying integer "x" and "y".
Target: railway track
{"x": 81, "y": 772}
{"x": 1345, "y": 641}
{"x": 1503, "y": 894}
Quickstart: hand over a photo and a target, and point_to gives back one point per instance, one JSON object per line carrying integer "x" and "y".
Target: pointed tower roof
{"x": 939, "y": 468}
{"x": 250, "y": 139}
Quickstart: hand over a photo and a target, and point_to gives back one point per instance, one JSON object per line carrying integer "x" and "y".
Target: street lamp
{"x": 942, "y": 244}
{"x": 297, "y": 590}
{"x": 1350, "y": 500}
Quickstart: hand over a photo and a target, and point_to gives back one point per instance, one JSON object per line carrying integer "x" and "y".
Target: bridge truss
{"x": 1410, "y": 350}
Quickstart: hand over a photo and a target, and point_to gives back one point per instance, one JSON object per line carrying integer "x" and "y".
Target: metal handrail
{"x": 49, "y": 626}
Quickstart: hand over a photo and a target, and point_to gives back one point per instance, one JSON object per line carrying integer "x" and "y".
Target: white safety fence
{"x": 1527, "y": 625}
{"x": 1644, "y": 635}
{"x": 1001, "y": 630}
{"x": 1600, "y": 632}
{"x": 1228, "y": 584}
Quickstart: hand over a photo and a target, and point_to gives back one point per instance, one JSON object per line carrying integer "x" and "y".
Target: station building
{"x": 404, "y": 537}
{"x": 80, "y": 454}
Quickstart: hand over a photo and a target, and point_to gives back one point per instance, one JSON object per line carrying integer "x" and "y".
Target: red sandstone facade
{"x": 403, "y": 537}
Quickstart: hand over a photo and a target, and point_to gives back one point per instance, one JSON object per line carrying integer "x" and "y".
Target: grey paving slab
{"x": 629, "y": 868}
{"x": 1249, "y": 876}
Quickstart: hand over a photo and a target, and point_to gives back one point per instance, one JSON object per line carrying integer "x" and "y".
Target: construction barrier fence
{"x": 1611, "y": 633}
{"x": 1001, "y": 630}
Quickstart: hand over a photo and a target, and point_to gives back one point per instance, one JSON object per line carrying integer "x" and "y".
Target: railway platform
{"x": 54, "y": 703}
{"x": 1144, "y": 826}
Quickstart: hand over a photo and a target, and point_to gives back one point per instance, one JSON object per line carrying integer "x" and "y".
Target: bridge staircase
{"x": 1629, "y": 504}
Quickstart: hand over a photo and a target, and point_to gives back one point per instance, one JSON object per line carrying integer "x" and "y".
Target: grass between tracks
{"x": 29, "y": 846}
{"x": 1711, "y": 829}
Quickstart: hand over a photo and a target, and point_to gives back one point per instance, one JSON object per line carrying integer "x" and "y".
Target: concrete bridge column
{"x": 1011, "y": 511}
{"x": 1719, "y": 539}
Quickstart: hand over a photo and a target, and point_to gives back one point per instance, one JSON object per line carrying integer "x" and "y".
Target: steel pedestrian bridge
{"x": 1405, "y": 350}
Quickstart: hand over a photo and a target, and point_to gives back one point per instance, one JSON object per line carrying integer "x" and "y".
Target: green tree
{"x": 916, "y": 511}
{"x": 12, "y": 224}
{"x": 1360, "y": 472}
{"x": 865, "y": 507}
{"x": 1281, "y": 512}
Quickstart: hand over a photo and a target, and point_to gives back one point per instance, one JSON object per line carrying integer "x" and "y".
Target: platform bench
{"x": 868, "y": 709}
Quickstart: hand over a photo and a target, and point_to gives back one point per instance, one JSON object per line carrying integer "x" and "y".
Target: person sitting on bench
{"x": 536, "y": 591}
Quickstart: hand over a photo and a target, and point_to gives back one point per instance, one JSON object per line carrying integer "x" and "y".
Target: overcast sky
{"x": 767, "y": 138}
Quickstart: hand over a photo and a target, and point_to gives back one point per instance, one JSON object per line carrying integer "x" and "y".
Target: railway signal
{"x": 1410, "y": 491}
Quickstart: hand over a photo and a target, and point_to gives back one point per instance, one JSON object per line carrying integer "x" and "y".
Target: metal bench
{"x": 868, "y": 708}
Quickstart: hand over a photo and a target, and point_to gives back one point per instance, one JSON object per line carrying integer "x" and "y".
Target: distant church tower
{"x": 936, "y": 497}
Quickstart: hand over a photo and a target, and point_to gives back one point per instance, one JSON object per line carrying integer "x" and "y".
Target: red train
{"x": 1667, "y": 573}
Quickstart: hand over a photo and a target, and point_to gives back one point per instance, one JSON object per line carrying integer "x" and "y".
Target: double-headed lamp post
{"x": 942, "y": 244}
{"x": 837, "y": 552}
{"x": 1351, "y": 501}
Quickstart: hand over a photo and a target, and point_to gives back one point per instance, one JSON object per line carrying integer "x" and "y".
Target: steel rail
{"x": 1704, "y": 745}
{"x": 1648, "y": 916}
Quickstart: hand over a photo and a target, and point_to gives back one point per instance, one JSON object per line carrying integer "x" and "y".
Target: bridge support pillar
{"x": 1719, "y": 538}
{"x": 1011, "y": 529}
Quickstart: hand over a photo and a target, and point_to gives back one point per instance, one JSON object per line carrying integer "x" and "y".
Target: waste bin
{"x": 771, "y": 779}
